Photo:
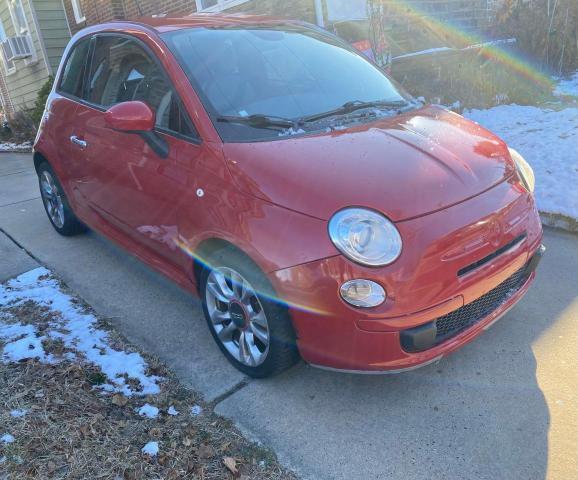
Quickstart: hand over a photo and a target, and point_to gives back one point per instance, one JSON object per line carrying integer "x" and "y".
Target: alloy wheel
{"x": 52, "y": 199}
{"x": 237, "y": 316}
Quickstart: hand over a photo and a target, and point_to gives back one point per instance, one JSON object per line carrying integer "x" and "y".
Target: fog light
{"x": 363, "y": 293}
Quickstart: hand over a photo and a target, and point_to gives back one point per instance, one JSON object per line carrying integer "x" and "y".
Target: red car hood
{"x": 405, "y": 167}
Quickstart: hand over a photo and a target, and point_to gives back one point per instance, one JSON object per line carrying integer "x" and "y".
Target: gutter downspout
{"x": 319, "y": 13}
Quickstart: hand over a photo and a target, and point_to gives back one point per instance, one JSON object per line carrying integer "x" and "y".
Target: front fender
{"x": 272, "y": 236}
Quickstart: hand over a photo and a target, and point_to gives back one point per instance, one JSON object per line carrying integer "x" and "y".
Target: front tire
{"x": 250, "y": 325}
{"x": 56, "y": 204}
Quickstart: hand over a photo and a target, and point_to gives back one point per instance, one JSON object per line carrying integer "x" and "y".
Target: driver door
{"x": 129, "y": 185}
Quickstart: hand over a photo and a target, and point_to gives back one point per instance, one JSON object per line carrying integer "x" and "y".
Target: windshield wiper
{"x": 351, "y": 107}
{"x": 259, "y": 120}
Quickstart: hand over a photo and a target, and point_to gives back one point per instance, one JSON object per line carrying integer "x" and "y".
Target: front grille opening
{"x": 464, "y": 317}
{"x": 491, "y": 256}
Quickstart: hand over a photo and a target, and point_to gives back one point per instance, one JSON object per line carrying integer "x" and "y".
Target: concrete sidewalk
{"x": 504, "y": 407}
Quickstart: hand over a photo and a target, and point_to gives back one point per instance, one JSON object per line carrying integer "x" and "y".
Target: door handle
{"x": 77, "y": 141}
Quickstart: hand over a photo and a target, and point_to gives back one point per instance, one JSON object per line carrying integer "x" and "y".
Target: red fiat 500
{"x": 316, "y": 208}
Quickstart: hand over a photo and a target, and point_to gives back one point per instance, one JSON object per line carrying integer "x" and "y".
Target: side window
{"x": 122, "y": 71}
{"x": 74, "y": 70}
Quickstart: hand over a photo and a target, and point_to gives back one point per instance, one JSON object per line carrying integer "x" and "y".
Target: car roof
{"x": 168, "y": 23}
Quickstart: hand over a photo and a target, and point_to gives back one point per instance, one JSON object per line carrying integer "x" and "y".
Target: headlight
{"x": 524, "y": 170}
{"x": 365, "y": 236}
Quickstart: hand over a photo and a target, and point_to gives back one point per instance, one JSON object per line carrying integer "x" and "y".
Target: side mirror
{"x": 137, "y": 117}
{"x": 130, "y": 117}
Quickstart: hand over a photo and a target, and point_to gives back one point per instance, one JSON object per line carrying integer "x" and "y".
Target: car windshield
{"x": 274, "y": 80}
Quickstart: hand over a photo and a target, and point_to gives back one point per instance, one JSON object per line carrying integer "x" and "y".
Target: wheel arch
{"x": 283, "y": 338}
{"x": 208, "y": 247}
{"x": 39, "y": 158}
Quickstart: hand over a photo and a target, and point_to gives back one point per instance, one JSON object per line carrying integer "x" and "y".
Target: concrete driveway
{"x": 504, "y": 407}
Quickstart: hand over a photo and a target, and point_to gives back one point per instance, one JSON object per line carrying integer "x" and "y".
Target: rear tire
{"x": 56, "y": 204}
{"x": 252, "y": 328}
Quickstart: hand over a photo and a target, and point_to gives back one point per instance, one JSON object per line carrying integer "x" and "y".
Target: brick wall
{"x": 299, "y": 9}
{"x": 402, "y": 24}
{"x": 99, "y": 11}
{"x": 95, "y": 11}
{"x": 148, "y": 8}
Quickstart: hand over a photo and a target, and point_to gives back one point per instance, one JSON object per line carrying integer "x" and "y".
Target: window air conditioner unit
{"x": 17, "y": 48}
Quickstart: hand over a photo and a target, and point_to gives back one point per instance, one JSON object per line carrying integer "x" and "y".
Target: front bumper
{"x": 422, "y": 286}
{"x": 425, "y": 351}
{"x": 434, "y": 333}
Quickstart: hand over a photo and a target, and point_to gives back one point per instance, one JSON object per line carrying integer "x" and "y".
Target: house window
{"x": 21, "y": 26}
{"x": 9, "y": 67}
{"x": 18, "y": 17}
{"x": 77, "y": 9}
{"x": 217, "y": 5}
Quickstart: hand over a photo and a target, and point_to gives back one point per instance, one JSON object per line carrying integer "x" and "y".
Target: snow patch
{"x": 476, "y": 46}
{"x": 18, "y": 412}
{"x": 567, "y": 87}
{"x": 291, "y": 131}
{"x": 151, "y": 448}
{"x": 24, "y": 343}
{"x": 547, "y": 139}
{"x": 172, "y": 411}
{"x": 148, "y": 411}
{"x": 15, "y": 147}
{"x": 77, "y": 330}
{"x": 196, "y": 410}
{"x": 428, "y": 51}
{"x": 7, "y": 438}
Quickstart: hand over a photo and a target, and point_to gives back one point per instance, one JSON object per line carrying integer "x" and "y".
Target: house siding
{"x": 53, "y": 29}
{"x": 24, "y": 83}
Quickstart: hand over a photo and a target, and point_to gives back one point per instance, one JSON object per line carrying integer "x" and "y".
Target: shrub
{"x": 546, "y": 30}
{"x": 21, "y": 128}
{"x": 42, "y": 96}
{"x": 469, "y": 79}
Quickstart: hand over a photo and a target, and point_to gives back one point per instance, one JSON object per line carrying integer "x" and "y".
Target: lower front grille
{"x": 454, "y": 322}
